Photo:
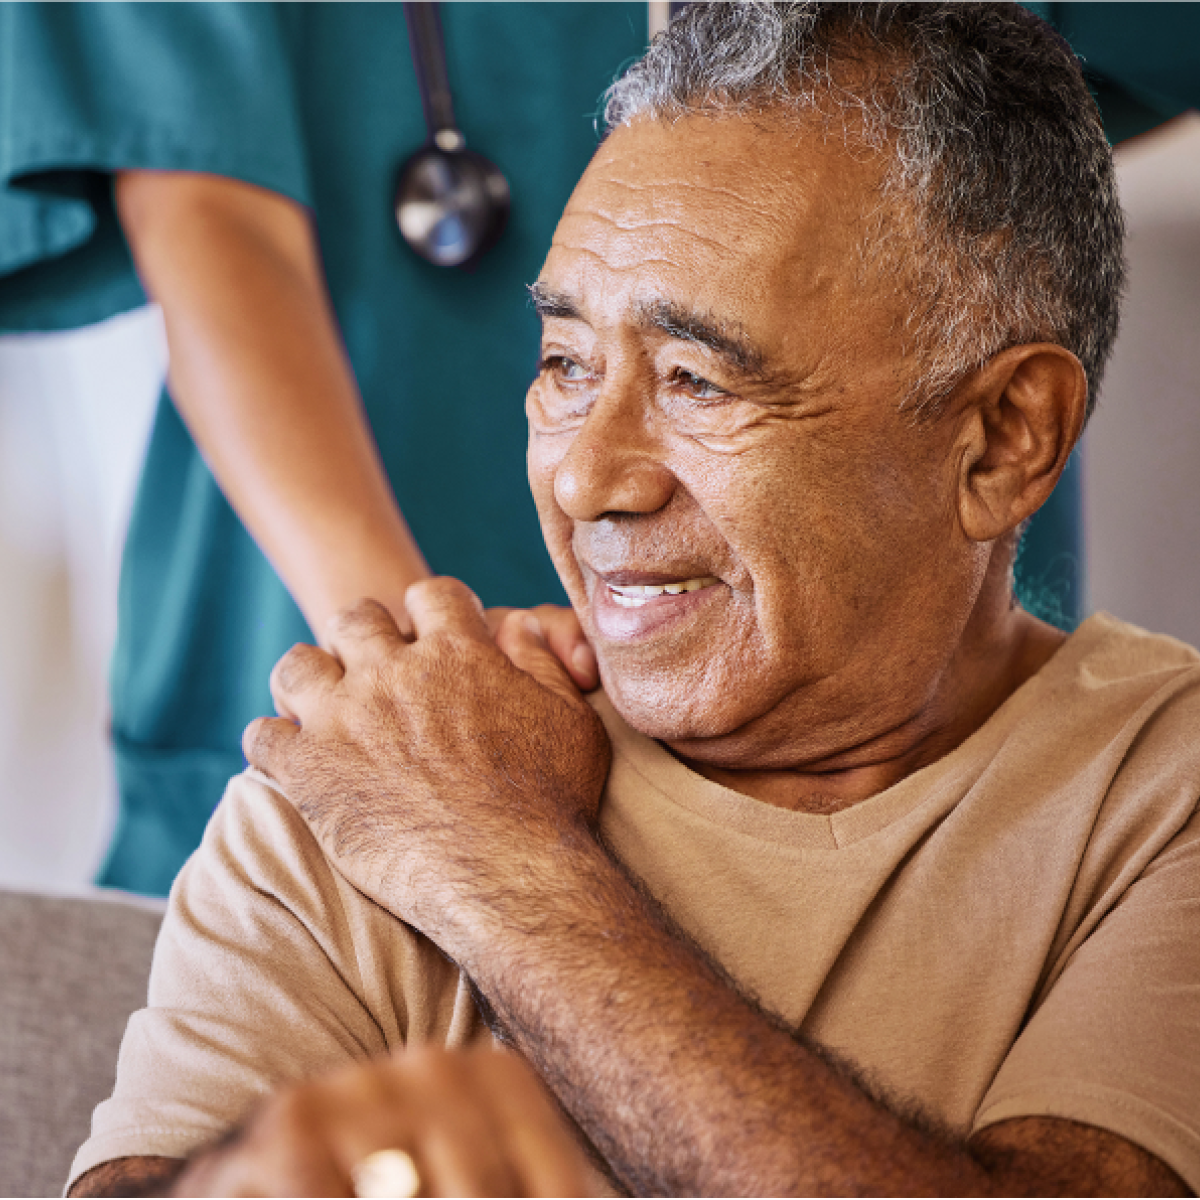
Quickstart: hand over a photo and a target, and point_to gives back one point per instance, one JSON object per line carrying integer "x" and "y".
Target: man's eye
{"x": 698, "y": 386}
{"x": 566, "y": 369}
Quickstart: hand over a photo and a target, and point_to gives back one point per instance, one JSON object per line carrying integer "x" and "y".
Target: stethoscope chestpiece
{"x": 451, "y": 203}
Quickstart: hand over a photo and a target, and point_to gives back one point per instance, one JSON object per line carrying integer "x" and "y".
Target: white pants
{"x": 75, "y": 412}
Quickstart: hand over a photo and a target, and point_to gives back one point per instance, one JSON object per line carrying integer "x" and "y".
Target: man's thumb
{"x": 521, "y": 637}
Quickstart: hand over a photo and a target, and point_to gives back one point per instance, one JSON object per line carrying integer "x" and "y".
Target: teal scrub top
{"x": 318, "y": 102}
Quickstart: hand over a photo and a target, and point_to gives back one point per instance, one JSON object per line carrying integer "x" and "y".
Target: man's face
{"x": 762, "y": 549}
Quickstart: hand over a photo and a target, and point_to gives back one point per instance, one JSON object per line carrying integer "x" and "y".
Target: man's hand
{"x": 439, "y": 773}
{"x": 474, "y": 1123}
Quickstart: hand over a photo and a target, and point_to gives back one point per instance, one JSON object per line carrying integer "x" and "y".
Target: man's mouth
{"x": 634, "y": 595}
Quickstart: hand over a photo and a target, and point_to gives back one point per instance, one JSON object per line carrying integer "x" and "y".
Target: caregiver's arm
{"x": 259, "y": 374}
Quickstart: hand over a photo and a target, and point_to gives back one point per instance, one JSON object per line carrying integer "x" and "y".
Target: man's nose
{"x": 616, "y": 462}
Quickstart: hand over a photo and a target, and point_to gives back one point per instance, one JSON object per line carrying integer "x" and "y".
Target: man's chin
{"x": 668, "y": 706}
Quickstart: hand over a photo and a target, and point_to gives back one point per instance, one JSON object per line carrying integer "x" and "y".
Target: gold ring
{"x": 386, "y": 1173}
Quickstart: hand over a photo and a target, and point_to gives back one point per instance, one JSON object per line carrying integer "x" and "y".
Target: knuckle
{"x": 421, "y": 591}
{"x": 258, "y": 740}
{"x": 447, "y": 585}
{"x": 290, "y": 1113}
{"x": 446, "y": 590}
{"x": 297, "y": 667}
{"x": 279, "y": 672}
{"x": 427, "y": 1070}
{"x": 361, "y": 616}
{"x": 512, "y": 639}
{"x": 515, "y": 620}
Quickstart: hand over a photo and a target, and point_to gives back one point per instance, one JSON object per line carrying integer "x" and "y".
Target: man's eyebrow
{"x": 549, "y": 303}
{"x": 726, "y": 340}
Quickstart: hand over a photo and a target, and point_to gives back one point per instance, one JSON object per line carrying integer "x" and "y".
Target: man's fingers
{"x": 301, "y": 675}
{"x": 471, "y": 1123}
{"x": 561, "y": 629}
{"x": 445, "y": 605}
{"x": 521, "y": 637}
{"x": 361, "y": 632}
{"x": 426, "y": 1103}
{"x": 268, "y": 744}
{"x": 460, "y": 1147}
{"x": 546, "y": 1157}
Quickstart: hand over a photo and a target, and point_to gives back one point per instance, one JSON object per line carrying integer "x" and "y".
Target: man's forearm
{"x": 149, "y": 1176}
{"x": 687, "y": 1088}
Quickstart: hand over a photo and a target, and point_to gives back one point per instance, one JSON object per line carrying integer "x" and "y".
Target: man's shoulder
{"x": 257, "y": 841}
{"x": 1106, "y": 678}
{"x": 260, "y": 887}
{"x": 259, "y": 863}
{"x": 1108, "y": 745}
{"x": 1116, "y": 687}
{"x": 258, "y": 856}
{"x": 1109, "y": 650}
{"x": 257, "y": 827}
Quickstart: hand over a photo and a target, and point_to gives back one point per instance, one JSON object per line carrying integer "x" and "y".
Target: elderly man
{"x": 854, "y": 878}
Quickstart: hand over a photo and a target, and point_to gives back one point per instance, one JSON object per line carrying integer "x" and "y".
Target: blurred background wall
{"x": 1142, "y": 453}
{"x": 75, "y": 411}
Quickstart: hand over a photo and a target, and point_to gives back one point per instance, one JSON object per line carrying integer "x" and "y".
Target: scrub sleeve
{"x": 318, "y": 102}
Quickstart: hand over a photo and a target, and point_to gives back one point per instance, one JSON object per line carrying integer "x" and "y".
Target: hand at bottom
{"x": 474, "y": 1123}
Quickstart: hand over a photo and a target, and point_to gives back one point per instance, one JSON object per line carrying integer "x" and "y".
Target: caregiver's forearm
{"x": 260, "y": 376}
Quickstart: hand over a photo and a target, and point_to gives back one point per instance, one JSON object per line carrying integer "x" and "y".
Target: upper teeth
{"x": 633, "y": 595}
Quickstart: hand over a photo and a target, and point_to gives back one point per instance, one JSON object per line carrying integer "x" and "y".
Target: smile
{"x": 634, "y": 595}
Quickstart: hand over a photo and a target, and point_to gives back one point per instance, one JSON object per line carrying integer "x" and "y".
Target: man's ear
{"x": 1020, "y": 416}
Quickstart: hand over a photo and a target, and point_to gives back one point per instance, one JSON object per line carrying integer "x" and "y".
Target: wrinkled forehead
{"x": 754, "y": 217}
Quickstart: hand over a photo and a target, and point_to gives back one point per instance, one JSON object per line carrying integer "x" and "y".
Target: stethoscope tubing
{"x": 451, "y": 204}
{"x": 428, "y": 45}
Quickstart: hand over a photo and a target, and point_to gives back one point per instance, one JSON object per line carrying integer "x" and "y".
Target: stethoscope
{"x": 451, "y": 203}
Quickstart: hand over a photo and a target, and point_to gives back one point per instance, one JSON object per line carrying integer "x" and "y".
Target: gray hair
{"x": 999, "y": 197}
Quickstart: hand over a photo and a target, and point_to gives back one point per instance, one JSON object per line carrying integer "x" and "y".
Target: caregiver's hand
{"x": 450, "y": 777}
{"x": 563, "y": 634}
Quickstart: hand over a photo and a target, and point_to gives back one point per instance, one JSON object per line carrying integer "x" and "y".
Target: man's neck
{"x": 983, "y": 675}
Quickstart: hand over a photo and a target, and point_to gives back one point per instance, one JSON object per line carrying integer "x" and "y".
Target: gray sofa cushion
{"x": 71, "y": 972}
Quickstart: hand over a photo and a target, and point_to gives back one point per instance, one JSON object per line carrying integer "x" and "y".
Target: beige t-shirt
{"x": 1011, "y": 931}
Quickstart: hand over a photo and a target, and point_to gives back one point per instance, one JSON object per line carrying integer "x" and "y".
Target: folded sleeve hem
{"x": 33, "y": 230}
{"x": 162, "y": 151}
{"x": 145, "y": 1141}
{"x": 1129, "y": 1116}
